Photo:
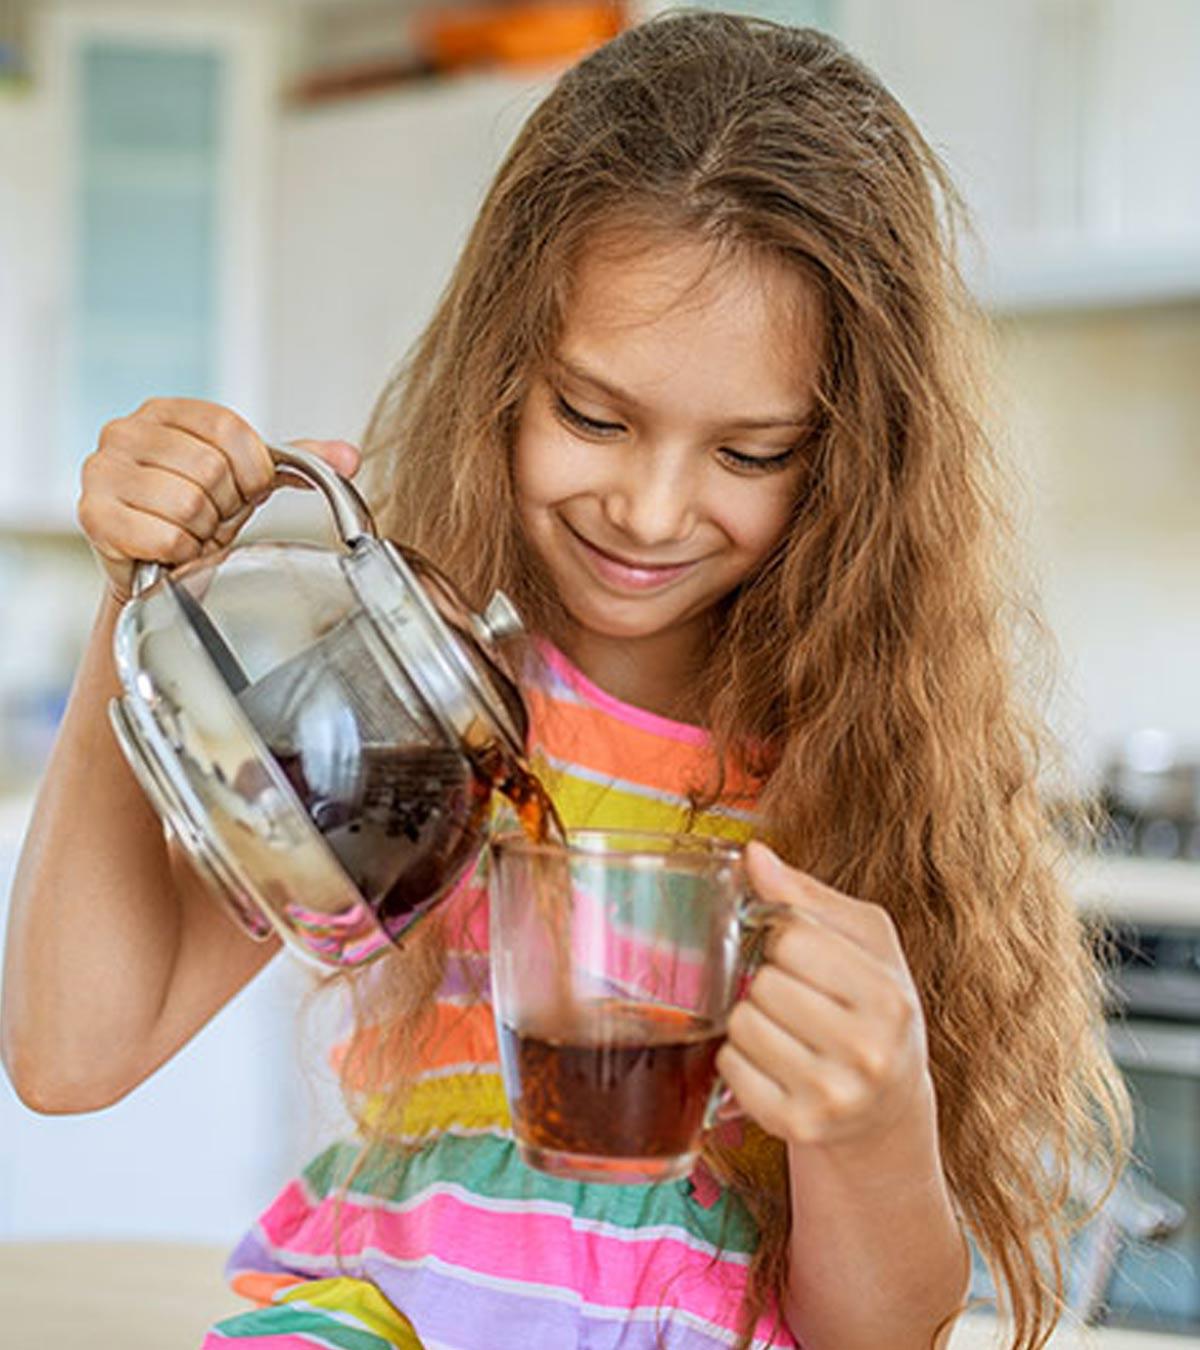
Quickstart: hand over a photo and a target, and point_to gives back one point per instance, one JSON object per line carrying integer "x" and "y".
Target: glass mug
{"x": 616, "y": 959}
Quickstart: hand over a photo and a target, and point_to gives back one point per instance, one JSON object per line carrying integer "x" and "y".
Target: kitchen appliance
{"x": 320, "y": 728}
{"x": 1150, "y": 800}
{"x": 1155, "y": 1038}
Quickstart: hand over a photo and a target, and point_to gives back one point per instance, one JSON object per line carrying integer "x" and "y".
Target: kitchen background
{"x": 259, "y": 202}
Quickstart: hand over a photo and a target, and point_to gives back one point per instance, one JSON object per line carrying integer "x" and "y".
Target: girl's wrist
{"x": 904, "y": 1152}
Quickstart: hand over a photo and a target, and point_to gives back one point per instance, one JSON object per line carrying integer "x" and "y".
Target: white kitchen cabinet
{"x": 132, "y": 262}
{"x": 1070, "y": 126}
{"x": 374, "y": 201}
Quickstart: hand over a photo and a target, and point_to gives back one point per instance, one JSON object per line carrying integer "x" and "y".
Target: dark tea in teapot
{"x": 410, "y": 818}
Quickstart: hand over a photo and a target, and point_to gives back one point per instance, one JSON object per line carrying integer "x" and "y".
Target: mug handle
{"x": 755, "y": 918}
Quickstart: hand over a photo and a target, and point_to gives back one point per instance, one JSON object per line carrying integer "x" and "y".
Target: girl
{"x": 699, "y": 396}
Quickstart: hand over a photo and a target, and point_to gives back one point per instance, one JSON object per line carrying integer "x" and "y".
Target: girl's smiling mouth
{"x": 624, "y": 573}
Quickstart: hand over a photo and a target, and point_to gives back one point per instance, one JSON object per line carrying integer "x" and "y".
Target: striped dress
{"x": 455, "y": 1244}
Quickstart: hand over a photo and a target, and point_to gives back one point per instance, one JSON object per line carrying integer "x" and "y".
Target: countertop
{"x": 980, "y": 1333}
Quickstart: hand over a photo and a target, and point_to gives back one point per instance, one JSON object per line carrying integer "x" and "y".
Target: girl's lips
{"x": 627, "y": 576}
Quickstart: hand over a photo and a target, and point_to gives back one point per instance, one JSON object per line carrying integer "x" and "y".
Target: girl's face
{"x": 657, "y": 455}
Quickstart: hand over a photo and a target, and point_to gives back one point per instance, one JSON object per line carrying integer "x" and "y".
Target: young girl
{"x": 699, "y": 397}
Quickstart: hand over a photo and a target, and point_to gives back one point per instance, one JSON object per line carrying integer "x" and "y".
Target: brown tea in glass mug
{"x": 616, "y": 957}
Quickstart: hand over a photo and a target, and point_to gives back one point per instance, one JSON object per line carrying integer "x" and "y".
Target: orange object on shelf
{"x": 530, "y": 33}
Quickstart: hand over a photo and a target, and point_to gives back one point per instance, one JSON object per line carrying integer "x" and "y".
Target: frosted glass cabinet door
{"x": 160, "y": 143}
{"x": 148, "y": 139}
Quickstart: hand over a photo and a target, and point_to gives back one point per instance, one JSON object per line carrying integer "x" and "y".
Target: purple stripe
{"x": 252, "y": 1253}
{"x": 461, "y": 1313}
{"x": 466, "y": 974}
{"x": 467, "y": 1315}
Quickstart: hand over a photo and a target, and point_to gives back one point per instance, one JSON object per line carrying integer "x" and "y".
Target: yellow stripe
{"x": 473, "y": 1101}
{"x": 362, "y": 1301}
{"x": 604, "y": 806}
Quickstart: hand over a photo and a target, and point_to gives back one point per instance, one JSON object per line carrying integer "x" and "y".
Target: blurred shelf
{"x": 290, "y": 514}
{"x": 39, "y": 527}
{"x": 16, "y": 806}
{"x": 1073, "y": 274}
{"x": 1138, "y": 890}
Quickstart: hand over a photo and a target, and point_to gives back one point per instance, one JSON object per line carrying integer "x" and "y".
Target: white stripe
{"x": 464, "y": 1000}
{"x": 557, "y": 690}
{"x": 475, "y": 1068}
{"x": 451, "y": 1131}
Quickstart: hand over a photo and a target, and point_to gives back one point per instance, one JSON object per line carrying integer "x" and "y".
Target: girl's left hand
{"x": 828, "y": 1045}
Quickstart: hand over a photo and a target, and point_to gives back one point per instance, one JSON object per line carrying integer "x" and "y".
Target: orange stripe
{"x": 587, "y": 737}
{"x": 458, "y": 1035}
{"x": 260, "y": 1287}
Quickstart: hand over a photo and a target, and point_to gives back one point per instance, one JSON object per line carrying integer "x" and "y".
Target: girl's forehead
{"x": 628, "y": 280}
{"x": 739, "y": 319}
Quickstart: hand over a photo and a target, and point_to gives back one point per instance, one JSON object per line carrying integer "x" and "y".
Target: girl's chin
{"x": 607, "y": 622}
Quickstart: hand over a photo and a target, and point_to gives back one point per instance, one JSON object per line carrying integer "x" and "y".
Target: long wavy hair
{"x": 881, "y": 652}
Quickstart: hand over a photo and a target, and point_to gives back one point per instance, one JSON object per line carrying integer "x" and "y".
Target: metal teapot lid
{"x": 184, "y": 727}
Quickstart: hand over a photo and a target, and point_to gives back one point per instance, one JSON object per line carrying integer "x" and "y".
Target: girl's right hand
{"x": 178, "y": 478}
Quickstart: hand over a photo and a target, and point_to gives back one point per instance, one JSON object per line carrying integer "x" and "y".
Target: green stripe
{"x": 489, "y": 1166}
{"x": 282, "y": 1320}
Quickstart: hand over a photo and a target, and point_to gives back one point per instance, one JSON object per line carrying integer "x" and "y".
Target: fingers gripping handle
{"x": 756, "y": 917}
{"x": 351, "y": 515}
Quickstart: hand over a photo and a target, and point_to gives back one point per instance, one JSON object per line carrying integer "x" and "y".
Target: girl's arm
{"x": 827, "y": 1052}
{"x": 877, "y": 1255}
{"x": 116, "y": 953}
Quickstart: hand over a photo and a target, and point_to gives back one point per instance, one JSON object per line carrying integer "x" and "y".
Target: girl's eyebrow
{"x": 584, "y": 376}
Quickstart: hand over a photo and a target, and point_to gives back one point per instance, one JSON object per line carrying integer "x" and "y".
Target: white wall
{"x": 375, "y": 198}
{"x": 197, "y": 1150}
{"x": 32, "y": 298}
{"x": 1106, "y": 420}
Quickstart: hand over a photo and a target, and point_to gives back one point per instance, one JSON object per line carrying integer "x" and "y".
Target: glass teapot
{"x": 320, "y": 728}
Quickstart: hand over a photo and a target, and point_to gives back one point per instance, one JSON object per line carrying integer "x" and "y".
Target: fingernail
{"x": 768, "y": 858}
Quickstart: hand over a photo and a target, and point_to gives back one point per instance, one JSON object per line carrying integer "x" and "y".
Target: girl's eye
{"x": 582, "y": 422}
{"x": 757, "y": 463}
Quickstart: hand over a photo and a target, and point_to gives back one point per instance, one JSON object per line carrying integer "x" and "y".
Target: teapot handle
{"x": 351, "y": 515}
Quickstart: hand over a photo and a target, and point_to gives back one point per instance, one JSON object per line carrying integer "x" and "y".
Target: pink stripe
{"x": 466, "y": 920}
{"x": 272, "y": 1341}
{"x": 544, "y": 1249}
{"x": 685, "y": 732}
{"x": 635, "y": 962}
{"x": 294, "y": 1223}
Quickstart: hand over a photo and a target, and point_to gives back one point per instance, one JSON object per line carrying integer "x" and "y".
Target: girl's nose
{"x": 651, "y": 498}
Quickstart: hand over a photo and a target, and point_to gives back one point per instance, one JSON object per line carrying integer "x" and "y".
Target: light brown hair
{"x": 876, "y": 652}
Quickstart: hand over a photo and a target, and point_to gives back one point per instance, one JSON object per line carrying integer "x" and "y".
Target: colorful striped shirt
{"x": 454, "y": 1243}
